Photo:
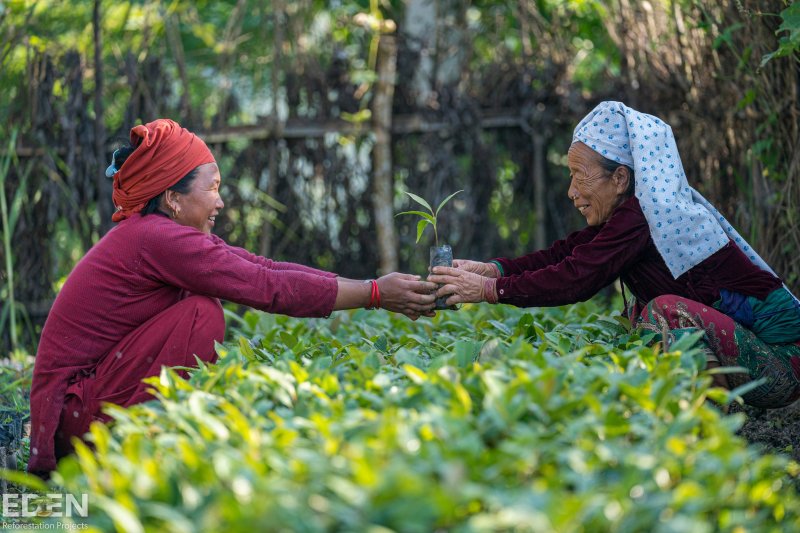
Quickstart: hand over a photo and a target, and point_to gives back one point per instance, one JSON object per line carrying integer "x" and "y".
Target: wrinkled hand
{"x": 407, "y": 294}
{"x": 465, "y": 287}
{"x": 482, "y": 269}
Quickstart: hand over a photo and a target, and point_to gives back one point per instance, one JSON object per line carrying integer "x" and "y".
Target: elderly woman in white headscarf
{"x": 685, "y": 265}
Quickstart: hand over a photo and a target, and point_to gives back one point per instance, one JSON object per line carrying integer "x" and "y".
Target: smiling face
{"x": 198, "y": 207}
{"x": 596, "y": 192}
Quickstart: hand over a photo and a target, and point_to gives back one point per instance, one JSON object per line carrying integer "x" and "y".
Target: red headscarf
{"x": 165, "y": 152}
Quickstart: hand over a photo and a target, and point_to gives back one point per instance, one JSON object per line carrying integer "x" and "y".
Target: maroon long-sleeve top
{"x": 575, "y": 268}
{"x": 140, "y": 268}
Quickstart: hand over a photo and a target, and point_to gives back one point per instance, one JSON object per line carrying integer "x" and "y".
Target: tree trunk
{"x": 383, "y": 199}
{"x": 267, "y": 231}
{"x": 420, "y": 39}
{"x": 172, "y": 28}
{"x": 103, "y": 190}
{"x": 539, "y": 181}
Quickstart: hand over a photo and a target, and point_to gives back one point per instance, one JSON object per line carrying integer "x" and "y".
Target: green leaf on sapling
{"x": 426, "y": 216}
{"x": 420, "y": 201}
{"x": 421, "y": 225}
{"x": 445, "y": 201}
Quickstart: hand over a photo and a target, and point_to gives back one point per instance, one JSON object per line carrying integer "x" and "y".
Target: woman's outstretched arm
{"x": 400, "y": 293}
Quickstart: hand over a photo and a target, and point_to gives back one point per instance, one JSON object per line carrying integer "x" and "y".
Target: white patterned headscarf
{"x": 685, "y": 227}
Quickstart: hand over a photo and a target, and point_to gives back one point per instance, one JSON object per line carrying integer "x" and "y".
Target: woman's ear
{"x": 170, "y": 199}
{"x": 622, "y": 178}
{"x": 170, "y": 203}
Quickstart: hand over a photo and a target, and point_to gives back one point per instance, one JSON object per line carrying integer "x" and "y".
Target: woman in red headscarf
{"x": 146, "y": 295}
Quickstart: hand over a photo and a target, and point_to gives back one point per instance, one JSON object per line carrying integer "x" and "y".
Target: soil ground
{"x": 778, "y": 430}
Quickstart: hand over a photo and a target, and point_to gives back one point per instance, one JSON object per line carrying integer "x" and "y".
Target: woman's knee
{"x": 660, "y": 306}
{"x": 209, "y": 316}
{"x": 663, "y": 302}
{"x": 208, "y": 326}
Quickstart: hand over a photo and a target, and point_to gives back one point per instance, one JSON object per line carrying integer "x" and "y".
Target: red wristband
{"x": 374, "y": 296}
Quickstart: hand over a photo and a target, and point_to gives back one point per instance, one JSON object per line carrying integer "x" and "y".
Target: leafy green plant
{"x": 8, "y": 222}
{"x": 15, "y": 382}
{"x": 429, "y": 218}
{"x": 789, "y": 43}
{"x": 506, "y": 419}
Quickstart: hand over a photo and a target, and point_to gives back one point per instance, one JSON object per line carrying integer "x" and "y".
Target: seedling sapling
{"x": 440, "y": 255}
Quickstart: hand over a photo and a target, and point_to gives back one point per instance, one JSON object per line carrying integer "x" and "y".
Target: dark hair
{"x": 611, "y": 166}
{"x": 183, "y": 186}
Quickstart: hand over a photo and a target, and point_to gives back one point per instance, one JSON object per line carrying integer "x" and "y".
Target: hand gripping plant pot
{"x": 441, "y": 255}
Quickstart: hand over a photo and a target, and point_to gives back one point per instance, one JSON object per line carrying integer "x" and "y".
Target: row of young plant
{"x": 489, "y": 418}
{"x": 15, "y": 382}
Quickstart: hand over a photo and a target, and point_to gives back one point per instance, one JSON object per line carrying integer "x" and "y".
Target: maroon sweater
{"x": 575, "y": 268}
{"x": 140, "y": 268}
